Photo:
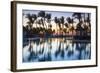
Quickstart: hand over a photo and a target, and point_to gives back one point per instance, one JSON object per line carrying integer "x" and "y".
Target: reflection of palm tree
{"x": 67, "y": 46}
{"x": 41, "y": 48}
{"x": 50, "y": 43}
{"x": 62, "y": 48}
{"x": 62, "y": 53}
{"x": 32, "y": 53}
{"x": 30, "y": 46}
{"x": 58, "y": 50}
{"x": 70, "y": 53}
{"x": 49, "y": 56}
{"x": 80, "y": 48}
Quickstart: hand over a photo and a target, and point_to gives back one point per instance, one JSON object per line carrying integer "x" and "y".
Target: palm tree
{"x": 62, "y": 22}
{"x": 77, "y": 15}
{"x": 85, "y": 30}
{"x": 48, "y": 16}
{"x": 34, "y": 17}
{"x": 40, "y": 29}
{"x": 42, "y": 14}
{"x": 70, "y": 21}
{"x": 66, "y": 29}
{"x": 78, "y": 27}
{"x": 30, "y": 22}
{"x": 57, "y": 21}
{"x": 88, "y": 20}
{"x": 72, "y": 28}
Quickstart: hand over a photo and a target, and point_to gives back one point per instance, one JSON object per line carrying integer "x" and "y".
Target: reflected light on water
{"x": 55, "y": 49}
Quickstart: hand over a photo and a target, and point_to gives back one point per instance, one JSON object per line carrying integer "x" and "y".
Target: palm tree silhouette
{"x": 57, "y": 21}
{"x": 30, "y": 22}
{"x": 79, "y": 28}
{"x": 77, "y": 15}
{"x": 72, "y": 27}
{"x": 62, "y": 22}
{"x": 88, "y": 20}
{"x": 70, "y": 21}
{"x": 34, "y": 17}
{"x": 48, "y": 16}
{"x": 42, "y": 14}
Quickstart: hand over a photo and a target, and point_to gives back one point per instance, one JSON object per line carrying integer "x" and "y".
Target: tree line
{"x": 43, "y": 25}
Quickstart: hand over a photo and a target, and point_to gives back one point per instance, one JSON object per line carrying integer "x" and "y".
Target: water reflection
{"x": 55, "y": 49}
